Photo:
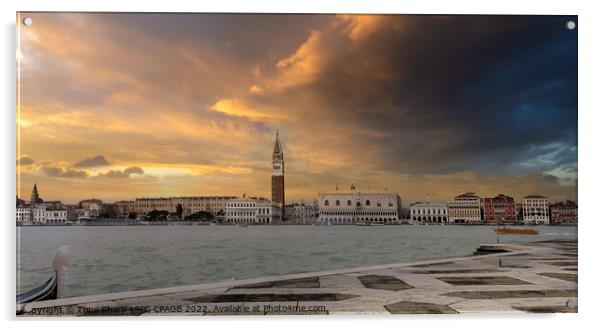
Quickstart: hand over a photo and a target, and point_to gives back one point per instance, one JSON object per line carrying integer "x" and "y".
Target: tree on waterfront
{"x": 179, "y": 210}
{"x": 200, "y": 216}
{"x": 156, "y": 215}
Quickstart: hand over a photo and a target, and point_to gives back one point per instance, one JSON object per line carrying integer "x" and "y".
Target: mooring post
{"x": 60, "y": 264}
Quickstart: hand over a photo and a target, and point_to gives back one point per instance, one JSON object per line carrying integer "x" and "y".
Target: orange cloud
{"x": 239, "y": 107}
{"x": 359, "y": 27}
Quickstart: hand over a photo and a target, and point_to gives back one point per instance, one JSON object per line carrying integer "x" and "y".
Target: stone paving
{"x": 505, "y": 278}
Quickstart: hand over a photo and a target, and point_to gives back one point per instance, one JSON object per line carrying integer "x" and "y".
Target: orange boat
{"x": 504, "y": 230}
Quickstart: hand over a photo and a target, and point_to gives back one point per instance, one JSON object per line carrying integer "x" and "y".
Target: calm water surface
{"x": 108, "y": 259}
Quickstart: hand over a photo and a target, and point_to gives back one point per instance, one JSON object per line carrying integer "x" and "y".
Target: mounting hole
{"x": 27, "y": 21}
{"x": 570, "y": 25}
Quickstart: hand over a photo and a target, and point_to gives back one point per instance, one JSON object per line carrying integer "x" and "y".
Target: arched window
{"x": 326, "y": 203}
{"x": 349, "y": 202}
{"x": 367, "y": 202}
{"x": 358, "y": 204}
{"x": 338, "y": 203}
{"x": 378, "y": 204}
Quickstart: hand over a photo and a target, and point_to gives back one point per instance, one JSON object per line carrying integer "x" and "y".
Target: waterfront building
{"x": 51, "y": 205}
{"x": 122, "y": 209}
{"x": 465, "y": 209}
{"x": 500, "y": 209}
{"x": 404, "y": 213}
{"x": 38, "y": 214}
{"x": 300, "y": 213}
{"x": 563, "y": 213}
{"x": 55, "y": 216}
{"x": 278, "y": 173}
{"x": 73, "y": 214}
{"x": 39, "y": 211}
{"x": 252, "y": 210}
{"x": 426, "y": 212}
{"x": 215, "y": 205}
{"x": 41, "y": 215}
{"x": 23, "y": 214}
{"x": 358, "y": 207}
{"x": 534, "y": 210}
{"x": 92, "y": 206}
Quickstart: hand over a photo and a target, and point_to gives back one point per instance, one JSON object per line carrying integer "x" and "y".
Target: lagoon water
{"x": 107, "y": 259}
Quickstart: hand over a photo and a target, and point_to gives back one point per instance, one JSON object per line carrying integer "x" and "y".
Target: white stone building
{"x": 535, "y": 210}
{"x": 465, "y": 208}
{"x": 251, "y": 210}
{"x": 41, "y": 215}
{"x": 358, "y": 207}
{"x": 56, "y": 216}
{"x": 300, "y": 213}
{"x": 23, "y": 214}
{"x": 426, "y": 212}
{"x": 38, "y": 214}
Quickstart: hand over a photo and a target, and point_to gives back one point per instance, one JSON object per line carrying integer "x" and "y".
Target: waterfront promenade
{"x": 503, "y": 278}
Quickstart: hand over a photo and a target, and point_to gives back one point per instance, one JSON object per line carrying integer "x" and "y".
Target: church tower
{"x": 35, "y": 197}
{"x": 278, "y": 173}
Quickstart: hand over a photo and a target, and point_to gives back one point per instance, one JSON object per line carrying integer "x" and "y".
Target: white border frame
{"x": 590, "y": 55}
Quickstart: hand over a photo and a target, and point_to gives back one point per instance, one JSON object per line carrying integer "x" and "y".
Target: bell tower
{"x": 278, "y": 173}
{"x": 35, "y": 197}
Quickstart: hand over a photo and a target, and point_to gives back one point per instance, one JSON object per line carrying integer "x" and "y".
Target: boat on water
{"x": 48, "y": 290}
{"x": 53, "y": 287}
{"x": 369, "y": 224}
{"x": 524, "y": 231}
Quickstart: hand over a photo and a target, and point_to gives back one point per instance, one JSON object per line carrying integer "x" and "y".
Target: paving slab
{"x": 385, "y": 282}
{"x": 482, "y": 280}
{"x": 406, "y": 307}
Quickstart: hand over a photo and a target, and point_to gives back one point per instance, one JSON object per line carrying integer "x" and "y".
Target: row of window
{"x": 348, "y": 220}
{"x": 428, "y": 212}
{"x": 260, "y": 211}
{"x": 465, "y": 203}
{"x": 357, "y": 204}
{"x": 240, "y": 205}
{"x": 432, "y": 219}
{"x": 172, "y": 205}
{"x": 357, "y": 213}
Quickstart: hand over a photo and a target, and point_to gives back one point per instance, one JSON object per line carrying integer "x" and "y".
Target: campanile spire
{"x": 278, "y": 173}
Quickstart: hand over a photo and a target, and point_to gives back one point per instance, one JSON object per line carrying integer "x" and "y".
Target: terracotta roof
{"x": 468, "y": 195}
{"x": 534, "y": 197}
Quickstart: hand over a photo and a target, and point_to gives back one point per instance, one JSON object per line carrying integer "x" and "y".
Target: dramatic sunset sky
{"x": 118, "y": 106}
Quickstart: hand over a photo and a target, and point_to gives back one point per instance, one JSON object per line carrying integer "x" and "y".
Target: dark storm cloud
{"x": 122, "y": 174}
{"x": 133, "y": 170}
{"x": 63, "y": 172}
{"x": 550, "y": 179}
{"x": 96, "y": 161}
{"x": 25, "y": 161}
{"x": 457, "y": 92}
